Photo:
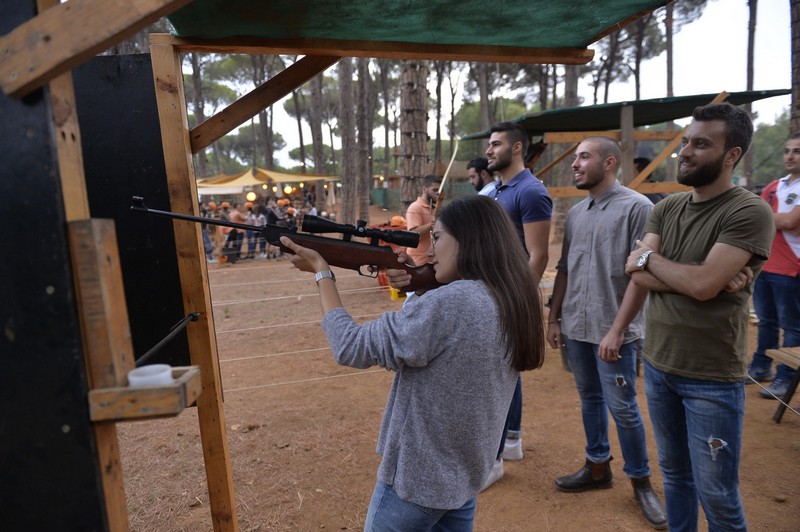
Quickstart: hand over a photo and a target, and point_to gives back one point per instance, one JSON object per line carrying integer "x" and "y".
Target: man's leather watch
{"x": 643, "y": 258}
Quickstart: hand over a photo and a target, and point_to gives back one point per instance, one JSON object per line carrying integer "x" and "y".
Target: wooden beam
{"x": 107, "y": 339}
{"x": 171, "y": 100}
{"x": 379, "y": 49}
{"x": 258, "y": 99}
{"x": 644, "y": 188}
{"x": 557, "y": 160}
{"x": 68, "y": 34}
{"x": 638, "y": 135}
{"x": 626, "y": 143}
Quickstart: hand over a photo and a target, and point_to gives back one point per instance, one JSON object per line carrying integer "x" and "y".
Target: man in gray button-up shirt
{"x": 597, "y": 310}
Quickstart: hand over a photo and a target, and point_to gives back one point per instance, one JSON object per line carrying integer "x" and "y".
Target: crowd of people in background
{"x": 229, "y": 245}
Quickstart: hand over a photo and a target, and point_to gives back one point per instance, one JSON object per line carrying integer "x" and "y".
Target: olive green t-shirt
{"x": 705, "y": 340}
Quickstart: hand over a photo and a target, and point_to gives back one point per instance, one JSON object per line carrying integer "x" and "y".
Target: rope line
{"x": 275, "y": 354}
{"x": 301, "y": 381}
{"x": 289, "y": 324}
{"x": 299, "y": 296}
{"x": 780, "y": 400}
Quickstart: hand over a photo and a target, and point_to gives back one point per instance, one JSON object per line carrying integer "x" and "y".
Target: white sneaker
{"x": 495, "y": 474}
{"x": 512, "y": 450}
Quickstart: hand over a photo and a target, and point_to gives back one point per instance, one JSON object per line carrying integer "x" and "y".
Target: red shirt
{"x": 782, "y": 259}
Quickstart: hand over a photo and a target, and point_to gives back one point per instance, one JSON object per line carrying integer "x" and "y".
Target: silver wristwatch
{"x": 324, "y": 274}
{"x": 642, "y": 262}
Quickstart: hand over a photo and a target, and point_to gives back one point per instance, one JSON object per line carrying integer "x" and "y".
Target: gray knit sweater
{"x": 453, "y": 386}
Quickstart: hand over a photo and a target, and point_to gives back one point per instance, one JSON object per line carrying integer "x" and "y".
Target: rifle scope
{"x": 315, "y": 224}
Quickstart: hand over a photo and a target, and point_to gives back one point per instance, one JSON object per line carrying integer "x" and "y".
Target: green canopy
{"x": 606, "y": 117}
{"x": 528, "y": 24}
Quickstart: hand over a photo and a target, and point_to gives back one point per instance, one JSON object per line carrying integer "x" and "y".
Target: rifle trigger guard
{"x": 366, "y": 272}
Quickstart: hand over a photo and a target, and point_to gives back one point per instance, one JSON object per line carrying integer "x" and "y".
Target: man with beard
{"x": 597, "y": 310}
{"x": 698, "y": 259}
{"x": 419, "y": 217}
{"x": 480, "y": 177}
{"x": 525, "y": 200}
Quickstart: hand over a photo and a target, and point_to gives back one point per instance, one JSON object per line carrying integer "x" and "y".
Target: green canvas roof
{"x": 606, "y": 117}
{"x": 529, "y": 24}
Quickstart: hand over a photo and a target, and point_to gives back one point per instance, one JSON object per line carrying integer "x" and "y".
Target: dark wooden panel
{"x": 48, "y": 467}
{"x": 123, "y": 157}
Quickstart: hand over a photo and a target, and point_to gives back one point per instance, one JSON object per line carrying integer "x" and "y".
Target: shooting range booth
{"x": 80, "y": 275}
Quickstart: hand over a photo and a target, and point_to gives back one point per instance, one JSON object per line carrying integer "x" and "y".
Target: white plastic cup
{"x": 151, "y": 375}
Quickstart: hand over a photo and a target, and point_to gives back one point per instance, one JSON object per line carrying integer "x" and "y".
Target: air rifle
{"x": 365, "y": 258}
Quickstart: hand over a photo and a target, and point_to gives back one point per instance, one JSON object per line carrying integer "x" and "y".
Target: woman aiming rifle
{"x": 455, "y": 370}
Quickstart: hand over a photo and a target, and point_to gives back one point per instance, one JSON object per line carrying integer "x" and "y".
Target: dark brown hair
{"x": 489, "y": 251}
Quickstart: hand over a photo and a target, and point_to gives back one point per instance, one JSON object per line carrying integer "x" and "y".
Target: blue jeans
{"x": 389, "y": 513}
{"x": 698, "y": 428}
{"x": 776, "y": 299}
{"x": 604, "y": 387}
{"x": 513, "y": 426}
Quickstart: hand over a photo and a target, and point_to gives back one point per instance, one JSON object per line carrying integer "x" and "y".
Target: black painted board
{"x": 123, "y": 157}
{"x": 49, "y": 475}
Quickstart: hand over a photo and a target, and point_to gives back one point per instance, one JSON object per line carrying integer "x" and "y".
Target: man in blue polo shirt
{"x": 527, "y": 203}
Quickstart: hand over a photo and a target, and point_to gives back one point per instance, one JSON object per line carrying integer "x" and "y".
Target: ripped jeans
{"x": 604, "y": 387}
{"x": 698, "y": 429}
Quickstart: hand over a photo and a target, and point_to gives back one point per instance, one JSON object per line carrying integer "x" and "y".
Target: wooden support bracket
{"x": 133, "y": 403}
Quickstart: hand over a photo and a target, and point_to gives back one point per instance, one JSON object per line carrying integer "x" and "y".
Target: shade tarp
{"x": 530, "y": 24}
{"x": 606, "y": 117}
{"x": 258, "y": 176}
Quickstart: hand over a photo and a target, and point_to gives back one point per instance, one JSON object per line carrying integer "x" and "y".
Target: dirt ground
{"x": 302, "y": 430}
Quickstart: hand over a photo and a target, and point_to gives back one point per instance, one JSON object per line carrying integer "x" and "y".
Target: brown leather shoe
{"x": 591, "y": 476}
{"x": 652, "y": 508}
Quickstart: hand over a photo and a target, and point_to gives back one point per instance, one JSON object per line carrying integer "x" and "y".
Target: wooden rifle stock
{"x": 364, "y": 258}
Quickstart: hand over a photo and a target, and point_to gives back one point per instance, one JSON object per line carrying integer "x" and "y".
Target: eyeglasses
{"x": 434, "y": 239}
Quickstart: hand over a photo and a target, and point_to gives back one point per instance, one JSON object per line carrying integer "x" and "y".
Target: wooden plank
{"x": 168, "y": 80}
{"x": 385, "y": 49}
{"x": 578, "y": 136}
{"x": 557, "y": 160}
{"x": 129, "y": 403}
{"x": 785, "y": 355}
{"x": 68, "y": 34}
{"x": 662, "y": 186}
{"x": 107, "y": 340}
{"x": 626, "y": 143}
{"x": 644, "y": 188}
{"x": 258, "y": 99}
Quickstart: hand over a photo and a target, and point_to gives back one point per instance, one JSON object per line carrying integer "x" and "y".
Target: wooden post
{"x": 168, "y": 79}
{"x": 627, "y": 144}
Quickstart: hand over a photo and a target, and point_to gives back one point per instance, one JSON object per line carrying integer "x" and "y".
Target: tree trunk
{"x": 668, "y": 20}
{"x": 559, "y": 178}
{"x": 413, "y": 130}
{"x": 198, "y": 103}
{"x": 347, "y": 131}
{"x": 315, "y": 122}
{"x": 751, "y": 47}
{"x": 363, "y": 110}
{"x": 453, "y": 94}
{"x": 795, "y": 112}
{"x": 299, "y": 115}
{"x": 384, "y": 83}
{"x": 482, "y": 76}
{"x": 437, "y": 143}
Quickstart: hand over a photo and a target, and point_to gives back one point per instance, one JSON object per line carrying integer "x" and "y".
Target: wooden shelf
{"x": 147, "y": 402}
